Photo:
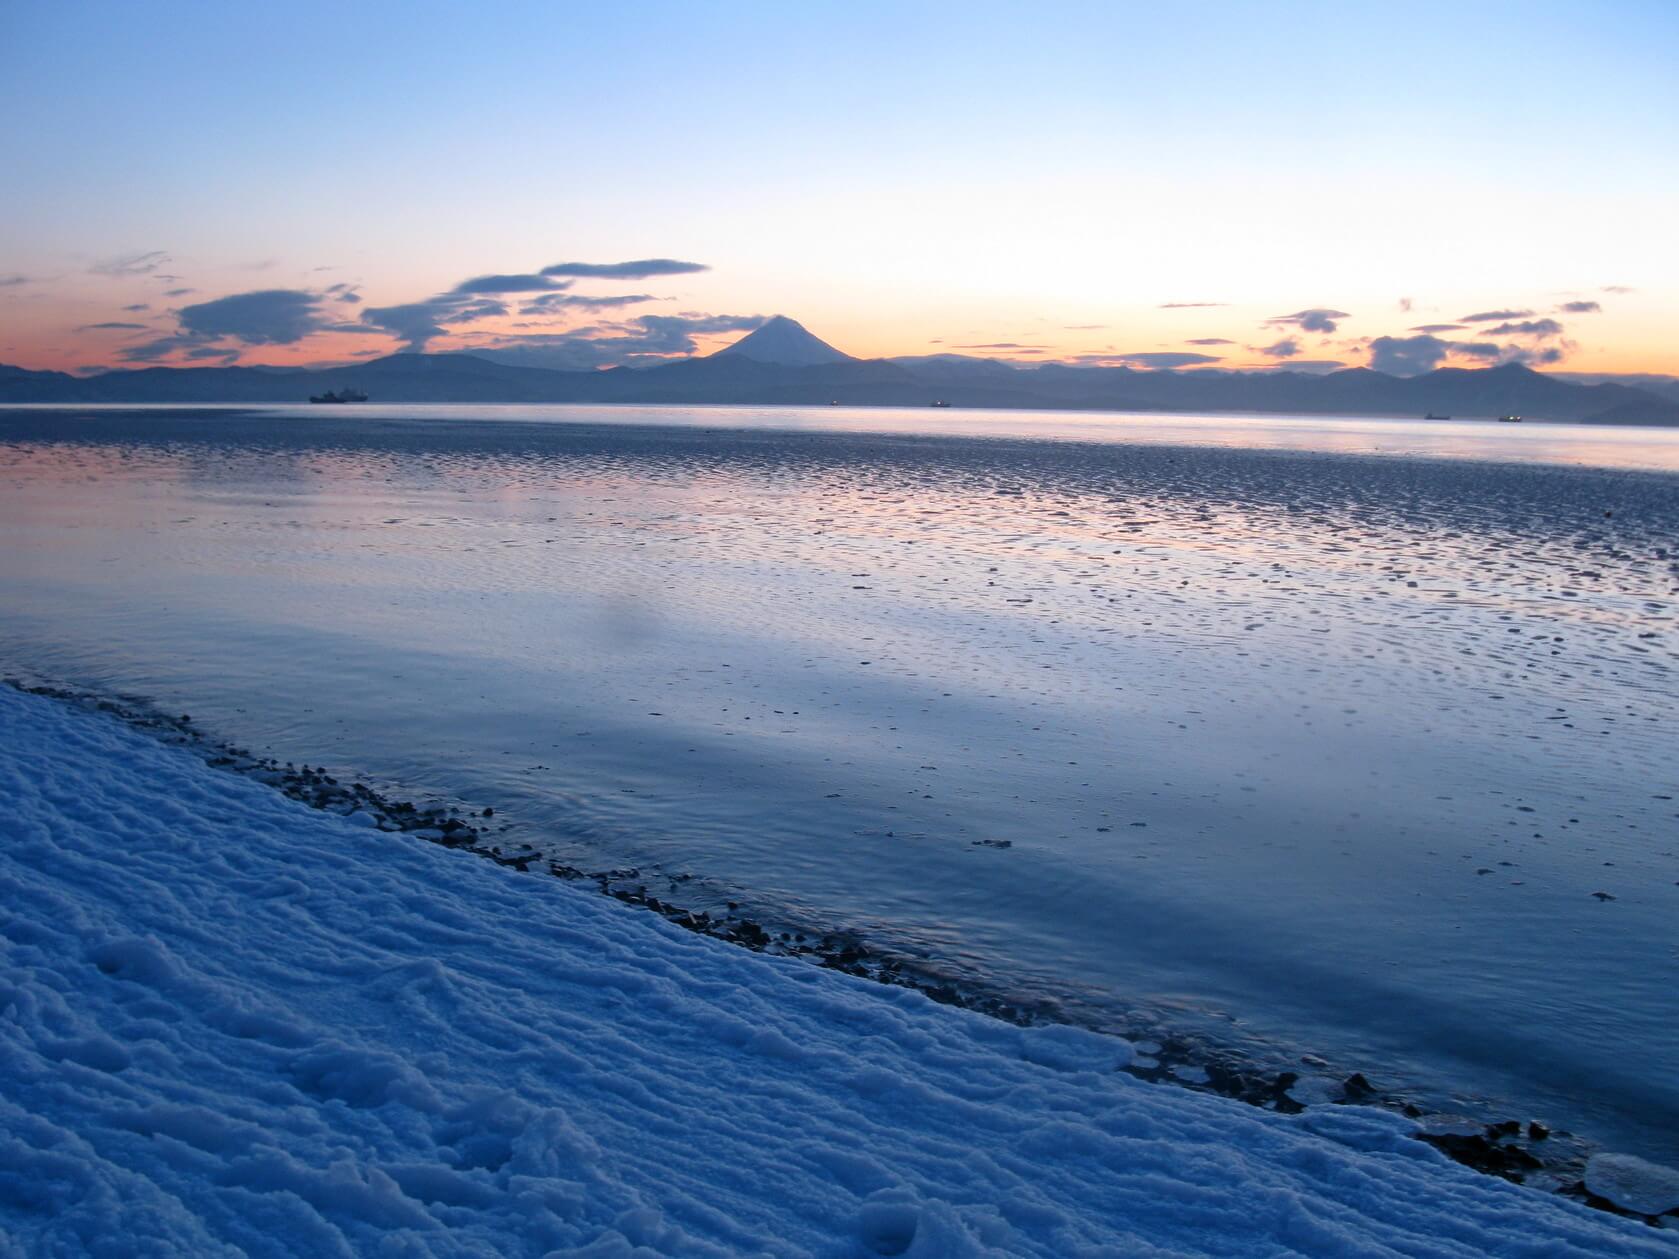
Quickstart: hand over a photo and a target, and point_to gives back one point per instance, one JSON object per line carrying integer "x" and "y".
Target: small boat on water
{"x": 1432, "y": 416}
{"x": 1509, "y": 419}
{"x": 343, "y": 395}
{"x": 941, "y": 403}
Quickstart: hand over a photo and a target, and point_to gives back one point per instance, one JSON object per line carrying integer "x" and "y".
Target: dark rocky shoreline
{"x": 1522, "y": 1152}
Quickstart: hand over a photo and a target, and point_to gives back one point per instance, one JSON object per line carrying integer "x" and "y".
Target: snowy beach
{"x": 236, "y": 1025}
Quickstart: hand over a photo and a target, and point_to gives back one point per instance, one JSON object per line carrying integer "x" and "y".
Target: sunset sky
{"x": 1240, "y": 185}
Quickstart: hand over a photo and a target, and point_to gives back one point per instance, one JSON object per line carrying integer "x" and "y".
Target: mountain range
{"x": 781, "y": 363}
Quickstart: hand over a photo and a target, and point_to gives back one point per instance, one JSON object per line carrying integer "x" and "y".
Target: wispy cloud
{"x": 131, "y": 264}
{"x": 641, "y": 269}
{"x": 12, "y": 281}
{"x": 1494, "y": 316}
{"x": 1580, "y": 308}
{"x": 1188, "y": 305}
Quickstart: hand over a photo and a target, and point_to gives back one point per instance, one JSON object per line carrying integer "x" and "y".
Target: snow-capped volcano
{"x": 786, "y": 342}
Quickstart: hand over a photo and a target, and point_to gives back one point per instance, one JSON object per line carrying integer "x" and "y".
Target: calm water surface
{"x": 1297, "y": 739}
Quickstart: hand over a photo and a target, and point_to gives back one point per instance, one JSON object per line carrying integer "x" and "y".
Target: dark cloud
{"x": 508, "y": 284}
{"x": 1408, "y": 356}
{"x": 12, "y": 281}
{"x": 1541, "y": 328}
{"x": 1288, "y": 347}
{"x": 1317, "y": 319}
{"x": 160, "y": 347}
{"x": 131, "y": 264}
{"x": 264, "y": 317}
{"x": 342, "y": 293}
{"x": 641, "y": 269}
{"x": 473, "y": 311}
{"x": 178, "y": 292}
{"x": 109, "y": 327}
{"x": 138, "y": 306}
{"x": 1188, "y": 305}
{"x": 1486, "y": 351}
{"x": 1210, "y": 341}
{"x": 1494, "y": 316}
{"x": 1581, "y": 308}
{"x": 204, "y": 352}
{"x": 1438, "y": 327}
{"x": 551, "y": 303}
{"x": 414, "y": 323}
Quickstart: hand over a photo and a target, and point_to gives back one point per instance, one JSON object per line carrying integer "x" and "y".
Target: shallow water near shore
{"x": 1278, "y": 733}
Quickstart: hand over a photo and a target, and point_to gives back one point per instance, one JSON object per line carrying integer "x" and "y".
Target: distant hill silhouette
{"x": 783, "y": 364}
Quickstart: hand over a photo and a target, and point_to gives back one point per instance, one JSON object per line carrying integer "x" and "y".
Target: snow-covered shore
{"x": 230, "y": 1024}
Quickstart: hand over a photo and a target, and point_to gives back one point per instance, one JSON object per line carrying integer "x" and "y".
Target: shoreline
{"x": 1524, "y": 1152}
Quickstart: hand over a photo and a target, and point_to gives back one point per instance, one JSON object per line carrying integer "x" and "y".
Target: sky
{"x": 1169, "y": 185}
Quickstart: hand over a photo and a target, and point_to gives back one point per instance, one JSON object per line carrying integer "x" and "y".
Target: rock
{"x": 1633, "y": 1184}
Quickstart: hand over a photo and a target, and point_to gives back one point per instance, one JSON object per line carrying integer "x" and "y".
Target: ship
{"x": 941, "y": 403}
{"x": 1432, "y": 416}
{"x": 343, "y": 395}
{"x": 1509, "y": 419}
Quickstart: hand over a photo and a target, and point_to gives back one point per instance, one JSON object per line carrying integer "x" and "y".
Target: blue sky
{"x": 903, "y": 178}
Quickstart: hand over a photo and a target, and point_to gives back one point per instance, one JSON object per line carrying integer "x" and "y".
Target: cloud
{"x": 1317, "y": 319}
{"x": 473, "y": 311}
{"x": 1001, "y": 345}
{"x": 1438, "y": 327}
{"x": 644, "y": 339}
{"x": 1210, "y": 341}
{"x": 138, "y": 306}
{"x": 1408, "y": 356}
{"x": 131, "y": 264}
{"x": 178, "y": 292}
{"x": 1617, "y": 289}
{"x": 507, "y": 284}
{"x": 641, "y": 269}
{"x": 160, "y": 347}
{"x": 414, "y": 323}
{"x": 264, "y": 317}
{"x": 551, "y": 303}
{"x": 1288, "y": 347}
{"x": 1494, "y": 316}
{"x": 342, "y": 292}
{"x": 1405, "y": 305}
{"x": 1188, "y": 305}
{"x": 106, "y": 327}
{"x": 12, "y": 281}
{"x": 1084, "y": 327}
{"x": 1581, "y": 308}
{"x": 1541, "y": 328}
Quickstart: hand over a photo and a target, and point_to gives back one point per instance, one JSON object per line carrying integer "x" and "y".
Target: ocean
{"x": 1338, "y": 745}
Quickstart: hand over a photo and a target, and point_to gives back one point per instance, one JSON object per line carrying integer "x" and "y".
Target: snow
{"x": 231, "y": 1025}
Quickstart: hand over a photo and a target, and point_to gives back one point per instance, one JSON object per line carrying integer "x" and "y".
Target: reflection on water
{"x": 1333, "y": 752}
